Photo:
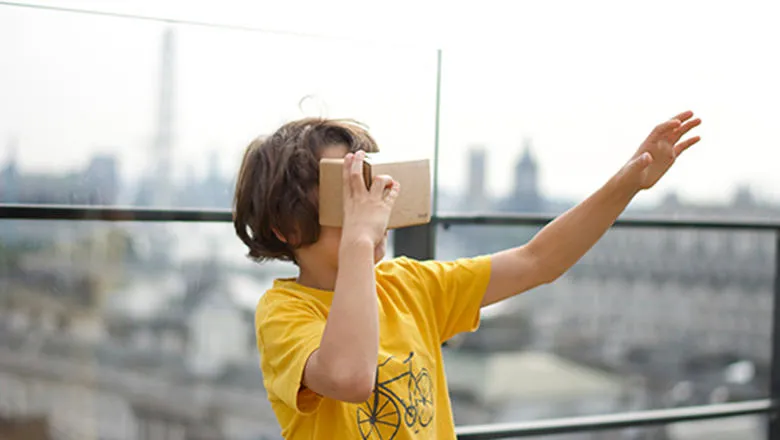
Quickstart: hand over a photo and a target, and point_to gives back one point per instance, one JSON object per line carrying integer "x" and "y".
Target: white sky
{"x": 586, "y": 80}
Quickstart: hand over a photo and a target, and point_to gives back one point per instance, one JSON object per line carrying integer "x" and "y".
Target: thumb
{"x": 639, "y": 164}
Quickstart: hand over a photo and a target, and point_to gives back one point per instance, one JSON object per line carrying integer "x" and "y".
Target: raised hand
{"x": 660, "y": 150}
{"x": 366, "y": 210}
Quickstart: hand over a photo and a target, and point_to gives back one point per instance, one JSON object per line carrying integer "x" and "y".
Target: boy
{"x": 351, "y": 348}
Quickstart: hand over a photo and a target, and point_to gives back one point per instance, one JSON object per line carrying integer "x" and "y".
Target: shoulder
{"x": 429, "y": 270}
{"x": 404, "y": 269}
{"x": 283, "y": 301}
{"x": 271, "y": 298}
{"x": 397, "y": 265}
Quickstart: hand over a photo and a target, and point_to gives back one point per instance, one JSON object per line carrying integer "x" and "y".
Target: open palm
{"x": 663, "y": 146}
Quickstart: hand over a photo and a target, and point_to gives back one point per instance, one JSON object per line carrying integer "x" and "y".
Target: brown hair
{"x": 277, "y": 183}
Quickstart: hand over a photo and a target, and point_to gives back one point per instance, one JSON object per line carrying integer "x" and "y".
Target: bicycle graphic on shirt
{"x": 381, "y": 415}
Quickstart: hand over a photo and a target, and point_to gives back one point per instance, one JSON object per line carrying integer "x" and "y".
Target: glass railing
{"x": 126, "y": 301}
{"x": 626, "y": 345}
{"x": 116, "y": 110}
{"x": 664, "y": 322}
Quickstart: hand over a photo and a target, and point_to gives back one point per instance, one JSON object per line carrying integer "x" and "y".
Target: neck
{"x": 322, "y": 279}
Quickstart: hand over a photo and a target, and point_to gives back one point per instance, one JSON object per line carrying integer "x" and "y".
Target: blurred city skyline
{"x": 146, "y": 329}
{"x": 90, "y": 84}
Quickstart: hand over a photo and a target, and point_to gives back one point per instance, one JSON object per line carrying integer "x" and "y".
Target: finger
{"x": 356, "y": 181}
{"x": 684, "y": 145}
{"x": 684, "y": 116}
{"x": 392, "y": 194}
{"x": 665, "y": 127}
{"x": 345, "y": 174}
{"x": 685, "y": 128}
{"x": 380, "y": 185}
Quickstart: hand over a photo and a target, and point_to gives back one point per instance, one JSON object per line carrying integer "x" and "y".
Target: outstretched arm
{"x": 560, "y": 244}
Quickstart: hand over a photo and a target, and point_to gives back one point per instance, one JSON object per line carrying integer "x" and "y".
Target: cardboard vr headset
{"x": 412, "y": 207}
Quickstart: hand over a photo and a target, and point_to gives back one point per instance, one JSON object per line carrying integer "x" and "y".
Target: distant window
{"x": 743, "y": 243}
{"x": 685, "y": 240}
{"x": 713, "y": 243}
{"x": 19, "y": 321}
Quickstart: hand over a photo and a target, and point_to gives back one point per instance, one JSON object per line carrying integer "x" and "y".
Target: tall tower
{"x": 475, "y": 194}
{"x": 164, "y": 136}
{"x": 9, "y": 174}
{"x": 526, "y": 195}
{"x": 156, "y": 187}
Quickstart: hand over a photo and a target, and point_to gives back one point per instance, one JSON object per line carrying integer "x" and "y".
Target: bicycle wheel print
{"x": 378, "y": 418}
{"x": 422, "y": 397}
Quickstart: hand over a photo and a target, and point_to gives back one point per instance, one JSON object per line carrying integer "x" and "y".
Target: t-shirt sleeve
{"x": 288, "y": 332}
{"x": 456, "y": 289}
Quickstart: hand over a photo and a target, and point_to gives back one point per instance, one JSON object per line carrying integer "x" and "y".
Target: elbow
{"x": 353, "y": 386}
{"x": 544, "y": 269}
{"x": 550, "y": 277}
{"x": 346, "y": 380}
{"x": 547, "y": 274}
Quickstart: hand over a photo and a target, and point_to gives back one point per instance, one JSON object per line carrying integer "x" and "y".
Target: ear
{"x": 279, "y": 235}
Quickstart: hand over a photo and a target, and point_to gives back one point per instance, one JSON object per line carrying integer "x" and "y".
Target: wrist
{"x": 624, "y": 186}
{"x": 356, "y": 243}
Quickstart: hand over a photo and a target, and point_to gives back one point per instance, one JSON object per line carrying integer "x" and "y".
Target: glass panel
{"x": 107, "y": 337}
{"x": 648, "y": 319}
{"x": 104, "y": 110}
{"x": 746, "y": 427}
{"x": 551, "y": 104}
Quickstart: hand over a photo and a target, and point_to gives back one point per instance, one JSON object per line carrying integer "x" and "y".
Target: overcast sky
{"x": 585, "y": 80}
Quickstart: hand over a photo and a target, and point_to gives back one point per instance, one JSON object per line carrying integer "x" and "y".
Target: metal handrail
{"x": 140, "y": 214}
{"x": 11, "y": 211}
{"x": 491, "y": 431}
{"x": 644, "y": 221}
{"x": 615, "y": 421}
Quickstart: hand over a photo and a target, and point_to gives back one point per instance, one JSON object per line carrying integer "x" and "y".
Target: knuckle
{"x": 380, "y": 180}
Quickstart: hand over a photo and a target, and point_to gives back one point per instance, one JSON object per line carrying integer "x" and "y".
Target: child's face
{"x": 326, "y": 250}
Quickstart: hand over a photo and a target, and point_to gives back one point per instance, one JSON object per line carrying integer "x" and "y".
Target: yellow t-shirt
{"x": 421, "y": 305}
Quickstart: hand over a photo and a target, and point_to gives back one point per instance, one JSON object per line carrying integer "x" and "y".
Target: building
{"x": 201, "y": 324}
{"x": 525, "y": 195}
{"x": 674, "y": 305}
{"x": 96, "y": 184}
{"x": 156, "y": 187}
{"x": 184, "y": 368}
{"x": 530, "y": 385}
{"x": 476, "y": 192}
{"x": 708, "y": 292}
{"x": 61, "y": 287}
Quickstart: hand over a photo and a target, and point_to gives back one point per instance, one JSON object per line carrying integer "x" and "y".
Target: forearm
{"x": 350, "y": 341}
{"x": 560, "y": 244}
